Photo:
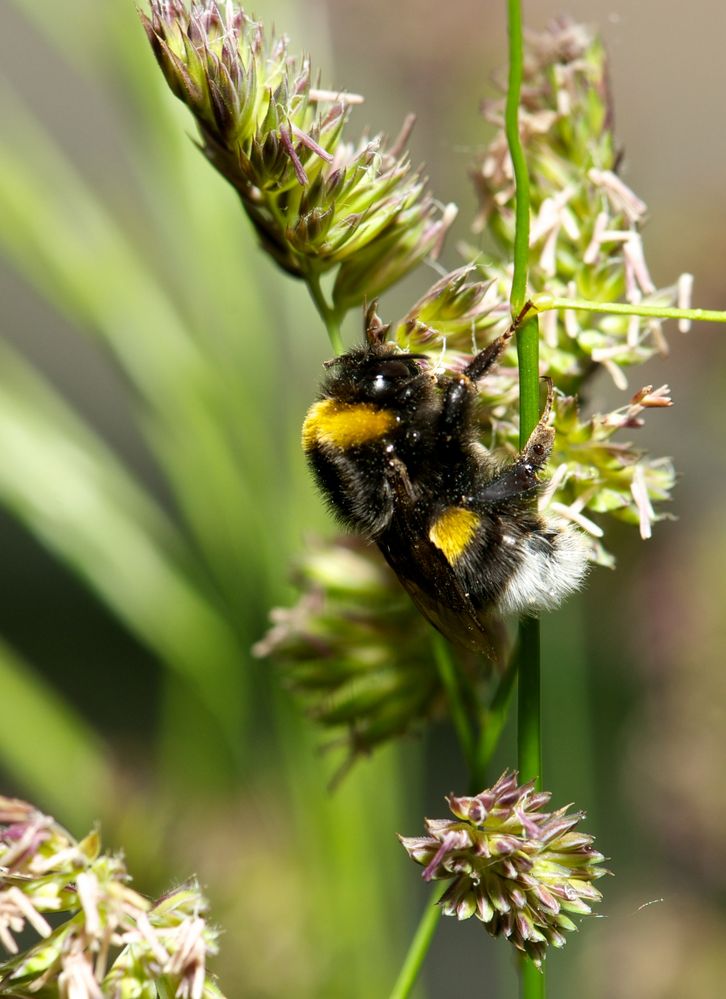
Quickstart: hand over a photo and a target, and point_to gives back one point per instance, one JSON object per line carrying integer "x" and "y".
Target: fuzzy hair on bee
{"x": 396, "y": 453}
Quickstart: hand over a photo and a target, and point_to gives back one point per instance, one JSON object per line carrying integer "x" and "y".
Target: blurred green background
{"x": 154, "y": 371}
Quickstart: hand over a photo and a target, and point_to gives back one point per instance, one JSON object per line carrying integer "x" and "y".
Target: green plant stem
{"x": 532, "y": 982}
{"x": 418, "y": 950}
{"x": 528, "y": 706}
{"x": 544, "y": 303}
{"x": 493, "y": 722}
{"x": 528, "y": 362}
{"x": 329, "y": 315}
{"x": 519, "y": 164}
{"x": 492, "y": 725}
{"x": 528, "y": 720}
{"x": 527, "y": 334}
{"x": 447, "y": 674}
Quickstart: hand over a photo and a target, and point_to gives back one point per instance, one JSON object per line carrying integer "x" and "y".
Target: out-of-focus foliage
{"x": 119, "y": 225}
{"x": 354, "y": 646}
{"x": 153, "y": 264}
{"x": 111, "y": 940}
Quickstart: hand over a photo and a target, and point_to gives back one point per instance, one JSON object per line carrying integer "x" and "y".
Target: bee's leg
{"x": 460, "y": 390}
{"x": 487, "y": 357}
{"x": 484, "y": 360}
{"x": 539, "y": 444}
{"x": 398, "y": 477}
{"x": 459, "y": 395}
{"x": 521, "y": 477}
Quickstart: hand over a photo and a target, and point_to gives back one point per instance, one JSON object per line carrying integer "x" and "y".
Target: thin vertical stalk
{"x": 519, "y": 164}
{"x": 528, "y": 727}
{"x": 528, "y": 360}
{"x": 532, "y": 981}
{"x": 328, "y": 314}
{"x": 527, "y": 334}
{"x": 492, "y": 725}
{"x": 418, "y": 950}
{"x": 532, "y": 984}
{"x": 449, "y": 680}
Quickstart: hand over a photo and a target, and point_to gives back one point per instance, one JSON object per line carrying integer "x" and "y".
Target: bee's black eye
{"x": 386, "y": 374}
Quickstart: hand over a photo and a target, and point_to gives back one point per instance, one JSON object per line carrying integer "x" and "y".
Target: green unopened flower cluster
{"x": 584, "y": 238}
{"x": 354, "y": 647}
{"x": 317, "y": 200}
{"x": 516, "y": 868}
{"x": 112, "y": 942}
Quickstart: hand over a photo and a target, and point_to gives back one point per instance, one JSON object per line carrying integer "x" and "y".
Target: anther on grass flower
{"x": 316, "y": 200}
{"x": 596, "y": 473}
{"x": 113, "y": 941}
{"x": 516, "y": 868}
{"x": 354, "y": 648}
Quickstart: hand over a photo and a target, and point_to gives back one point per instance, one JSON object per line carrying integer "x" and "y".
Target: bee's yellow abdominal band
{"x": 453, "y": 531}
{"x": 345, "y": 425}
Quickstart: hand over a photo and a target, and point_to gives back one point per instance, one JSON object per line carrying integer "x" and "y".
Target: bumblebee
{"x": 396, "y": 453}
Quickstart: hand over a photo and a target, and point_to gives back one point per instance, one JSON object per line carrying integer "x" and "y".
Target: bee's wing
{"x": 430, "y": 582}
{"x": 429, "y": 579}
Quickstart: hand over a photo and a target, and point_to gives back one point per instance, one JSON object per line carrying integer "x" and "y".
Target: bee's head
{"x": 380, "y": 374}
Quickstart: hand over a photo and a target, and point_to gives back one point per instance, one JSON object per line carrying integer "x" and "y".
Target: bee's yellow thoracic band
{"x": 452, "y": 531}
{"x": 345, "y": 425}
